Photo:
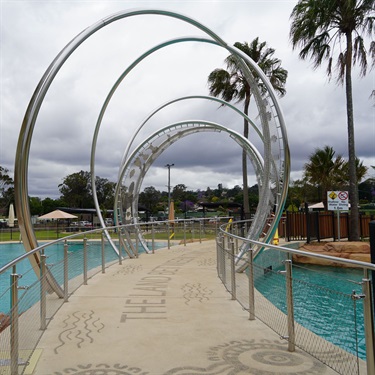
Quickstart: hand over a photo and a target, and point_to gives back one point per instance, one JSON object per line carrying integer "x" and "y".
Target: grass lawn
{"x": 51, "y": 235}
{"x": 44, "y": 235}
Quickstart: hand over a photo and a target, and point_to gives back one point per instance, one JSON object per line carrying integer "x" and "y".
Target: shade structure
{"x": 11, "y": 216}
{"x": 57, "y": 214}
{"x": 316, "y": 205}
{"x": 11, "y": 219}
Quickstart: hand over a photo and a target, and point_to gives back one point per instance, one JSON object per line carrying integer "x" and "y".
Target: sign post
{"x": 338, "y": 201}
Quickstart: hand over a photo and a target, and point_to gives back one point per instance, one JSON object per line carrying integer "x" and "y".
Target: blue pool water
{"x": 55, "y": 255}
{"x": 323, "y": 302}
{"x": 322, "y": 295}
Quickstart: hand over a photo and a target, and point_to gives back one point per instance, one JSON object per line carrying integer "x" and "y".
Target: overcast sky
{"x": 34, "y": 32}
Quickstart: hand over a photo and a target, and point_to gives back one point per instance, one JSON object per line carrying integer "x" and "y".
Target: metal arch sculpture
{"x": 269, "y": 112}
{"x": 140, "y": 160}
{"x": 131, "y": 142}
{"x": 268, "y": 197}
{"x": 250, "y": 155}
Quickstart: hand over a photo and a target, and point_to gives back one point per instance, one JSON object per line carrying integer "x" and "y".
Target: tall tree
{"x": 76, "y": 190}
{"x": 105, "y": 192}
{"x": 6, "y": 189}
{"x": 329, "y": 172}
{"x": 150, "y": 198}
{"x": 231, "y": 84}
{"x": 179, "y": 192}
{"x": 324, "y": 170}
{"x": 320, "y": 27}
{"x": 360, "y": 169}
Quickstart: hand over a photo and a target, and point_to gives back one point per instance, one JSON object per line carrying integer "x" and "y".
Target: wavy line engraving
{"x": 195, "y": 292}
{"x": 206, "y": 262}
{"x": 80, "y": 329}
{"x": 128, "y": 269}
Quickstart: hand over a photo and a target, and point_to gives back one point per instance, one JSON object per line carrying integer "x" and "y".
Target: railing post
{"x": 43, "y": 292}
{"x": 372, "y": 254}
{"x": 168, "y": 234}
{"x": 251, "y": 285}
{"x": 119, "y": 247}
{"x": 184, "y": 232}
{"x": 153, "y": 237}
{"x": 308, "y": 223}
{"x": 233, "y": 270}
{"x": 85, "y": 261}
{"x": 136, "y": 243}
{"x": 66, "y": 272}
{"x": 290, "y": 306}
{"x": 317, "y": 221}
{"x": 223, "y": 268}
{"x": 236, "y": 240}
{"x": 368, "y": 315}
{"x": 287, "y": 225}
{"x": 14, "y": 323}
{"x": 217, "y": 241}
{"x": 200, "y": 231}
{"x": 103, "y": 254}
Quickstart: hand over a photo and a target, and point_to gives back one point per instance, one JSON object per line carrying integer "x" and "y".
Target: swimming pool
{"x": 322, "y": 299}
{"x": 55, "y": 255}
{"x": 327, "y": 289}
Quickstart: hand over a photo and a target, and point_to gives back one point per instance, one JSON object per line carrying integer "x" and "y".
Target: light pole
{"x": 169, "y": 185}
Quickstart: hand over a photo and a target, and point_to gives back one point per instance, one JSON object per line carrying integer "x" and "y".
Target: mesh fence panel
{"x": 271, "y": 287}
{"x": 29, "y": 310}
{"x": 335, "y": 323}
{"x": 329, "y": 332}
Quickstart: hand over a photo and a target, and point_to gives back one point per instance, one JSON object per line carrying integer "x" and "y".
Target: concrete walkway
{"x": 164, "y": 313}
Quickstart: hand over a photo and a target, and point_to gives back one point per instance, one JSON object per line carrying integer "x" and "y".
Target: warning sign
{"x": 337, "y": 200}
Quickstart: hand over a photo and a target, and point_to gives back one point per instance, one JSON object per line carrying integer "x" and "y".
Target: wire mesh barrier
{"x": 30, "y": 302}
{"x": 311, "y": 308}
{"x": 330, "y": 320}
{"x": 31, "y": 295}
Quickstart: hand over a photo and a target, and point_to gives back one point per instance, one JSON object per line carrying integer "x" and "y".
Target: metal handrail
{"x": 223, "y": 230}
{"x": 348, "y": 262}
{"x": 96, "y": 230}
{"x": 225, "y": 237}
{"x": 44, "y": 271}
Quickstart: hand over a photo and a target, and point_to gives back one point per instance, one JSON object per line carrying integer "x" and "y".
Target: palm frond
{"x": 359, "y": 55}
{"x": 341, "y": 66}
{"x": 318, "y": 26}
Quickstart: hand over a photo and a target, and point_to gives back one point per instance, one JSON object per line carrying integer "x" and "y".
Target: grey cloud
{"x": 32, "y": 34}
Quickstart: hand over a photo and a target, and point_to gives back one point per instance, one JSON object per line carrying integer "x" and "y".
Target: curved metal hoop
{"x": 28, "y": 124}
{"x": 268, "y": 107}
{"x": 139, "y": 161}
{"x": 271, "y": 139}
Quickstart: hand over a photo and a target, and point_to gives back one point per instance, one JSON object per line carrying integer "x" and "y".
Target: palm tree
{"x": 231, "y": 84}
{"x": 324, "y": 170}
{"x": 328, "y": 172}
{"x": 361, "y": 169}
{"x": 318, "y": 26}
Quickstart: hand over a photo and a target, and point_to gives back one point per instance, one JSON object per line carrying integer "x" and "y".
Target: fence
{"x": 285, "y": 298}
{"x": 31, "y": 298}
{"x": 314, "y": 225}
{"x": 68, "y": 263}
